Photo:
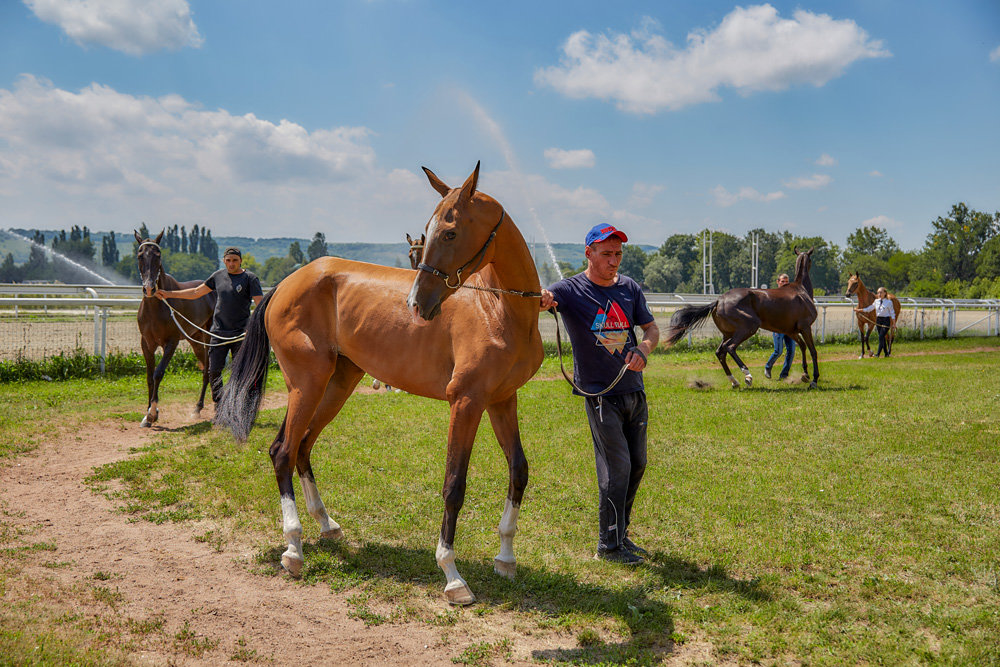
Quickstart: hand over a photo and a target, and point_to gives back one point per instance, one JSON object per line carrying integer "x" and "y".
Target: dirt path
{"x": 161, "y": 573}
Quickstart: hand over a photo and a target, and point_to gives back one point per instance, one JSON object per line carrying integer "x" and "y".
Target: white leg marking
{"x": 456, "y": 590}
{"x": 151, "y": 414}
{"x": 292, "y": 559}
{"x": 327, "y": 527}
{"x": 505, "y": 563}
{"x": 733, "y": 381}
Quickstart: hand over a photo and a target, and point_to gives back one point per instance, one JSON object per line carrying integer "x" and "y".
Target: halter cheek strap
{"x": 477, "y": 258}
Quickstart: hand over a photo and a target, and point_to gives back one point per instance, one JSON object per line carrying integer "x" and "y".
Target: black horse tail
{"x": 242, "y": 395}
{"x": 686, "y": 318}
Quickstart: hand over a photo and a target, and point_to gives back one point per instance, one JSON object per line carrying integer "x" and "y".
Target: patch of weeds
{"x": 102, "y": 576}
{"x": 588, "y": 637}
{"x": 213, "y": 538}
{"x": 362, "y": 612}
{"x": 187, "y": 640}
{"x": 450, "y": 617}
{"x": 57, "y": 564}
{"x": 242, "y": 653}
{"x": 482, "y": 654}
{"x": 145, "y": 626}
{"x": 107, "y": 596}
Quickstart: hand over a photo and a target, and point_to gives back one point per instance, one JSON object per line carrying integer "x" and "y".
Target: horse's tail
{"x": 686, "y": 318}
{"x": 242, "y": 395}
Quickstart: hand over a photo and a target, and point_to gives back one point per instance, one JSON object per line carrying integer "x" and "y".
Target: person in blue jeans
{"x": 781, "y": 341}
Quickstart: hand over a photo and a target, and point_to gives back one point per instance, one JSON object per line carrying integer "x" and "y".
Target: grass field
{"x": 855, "y": 523}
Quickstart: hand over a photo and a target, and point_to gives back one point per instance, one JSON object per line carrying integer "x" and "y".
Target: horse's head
{"x": 458, "y": 242}
{"x": 148, "y": 256}
{"x": 803, "y": 261}
{"x": 416, "y": 250}
{"x": 852, "y": 285}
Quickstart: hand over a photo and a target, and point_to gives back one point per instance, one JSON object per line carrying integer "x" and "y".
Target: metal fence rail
{"x": 38, "y": 321}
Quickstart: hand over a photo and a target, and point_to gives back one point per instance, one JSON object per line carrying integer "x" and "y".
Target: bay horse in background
{"x": 741, "y": 311}
{"x": 334, "y": 319}
{"x": 866, "y": 321}
{"x": 416, "y": 253}
{"x": 158, "y": 329}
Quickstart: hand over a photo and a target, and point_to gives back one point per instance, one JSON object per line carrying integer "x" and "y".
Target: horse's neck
{"x": 167, "y": 281}
{"x": 865, "y": 297}
{"x": 513, "y": 269}
{"x": 802, "y": 278}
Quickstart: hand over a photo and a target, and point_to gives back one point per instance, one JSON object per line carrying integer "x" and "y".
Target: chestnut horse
{"x": 159, "y": 329}
{"x": 335, "y": 319}
{"x": 416, "y": 253}
{"x": 866, "y": 321}
{"x": 741, "y": 311}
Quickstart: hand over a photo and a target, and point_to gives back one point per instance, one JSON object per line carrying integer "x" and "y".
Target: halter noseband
{"x": 475, "y": 260}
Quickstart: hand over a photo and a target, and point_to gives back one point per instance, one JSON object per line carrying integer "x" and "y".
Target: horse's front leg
{"x": 161, "y": 369}
{"x": 149, "y": 355}
{"x": 809, "y": 344}
{"x": 721, "y": 353}
{"x": 503, "y": 416}
{"x": 466, "y": 414}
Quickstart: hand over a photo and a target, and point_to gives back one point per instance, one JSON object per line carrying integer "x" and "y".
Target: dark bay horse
{"x": 158, "y": 329}
{"x": 334, "y": 319}
{"x": 866, "y": 321}
{"x": 741, "y": 311}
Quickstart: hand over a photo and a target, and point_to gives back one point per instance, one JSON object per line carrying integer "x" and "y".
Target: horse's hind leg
{"x": 304, "y": 396}
{"x": 721, "y": 353}
{"x": 343, "y": 382}
{"x": 503, "y": 416}
{"x": 731, "y": 346}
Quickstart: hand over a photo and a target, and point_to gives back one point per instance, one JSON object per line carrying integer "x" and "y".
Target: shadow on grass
{"x": 197, "y": 428}
{"x": 558, "y": 599}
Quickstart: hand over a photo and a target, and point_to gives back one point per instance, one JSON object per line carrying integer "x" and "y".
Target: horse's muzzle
{"x": 424, "y": 303}
{"x": 149, "y": 290}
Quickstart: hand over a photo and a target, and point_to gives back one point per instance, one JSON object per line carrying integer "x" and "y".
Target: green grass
{"x": 854, "y": 523}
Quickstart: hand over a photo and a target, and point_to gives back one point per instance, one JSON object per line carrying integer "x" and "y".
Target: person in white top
{"x": 885, "y": 317}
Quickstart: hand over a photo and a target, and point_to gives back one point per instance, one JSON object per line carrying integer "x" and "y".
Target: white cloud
{"x": 643, "y": 195}
{"x": 882, "y": 221}
{"x": 725, "y": 198}
{"x": 825, "y": 160}
{"x": 995, "y": 55}
{"x": 134, "y": 27}
{"x": 110, "y": 160}
{"x": 875, "y": 173}
{"x": 814, "y": 182}
{"x": 751, "y": 50}
{"x": 571, "y": 159}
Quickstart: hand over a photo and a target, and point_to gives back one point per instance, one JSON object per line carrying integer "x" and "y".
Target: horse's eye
{"x": 450, "y": 236}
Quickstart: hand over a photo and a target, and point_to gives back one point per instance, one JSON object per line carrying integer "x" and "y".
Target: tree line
{"x": 960, "y": 259}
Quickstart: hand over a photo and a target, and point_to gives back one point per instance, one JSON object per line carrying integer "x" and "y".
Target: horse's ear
{"x": 469, "y": 187}
{"x": 795, "y": 249}
{"x": 409, "y": 240}
{"x": 811, "y": 251}
{"x": 436, "y": 182}
{"x": 423, "y": 239}
{"x": 159, "y": 237}
{"x": 138, "y": 239}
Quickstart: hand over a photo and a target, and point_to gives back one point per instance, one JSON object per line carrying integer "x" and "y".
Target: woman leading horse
{"x": 334, "y": 319}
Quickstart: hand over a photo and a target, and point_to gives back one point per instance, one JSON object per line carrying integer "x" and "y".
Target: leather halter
{"x": 478, "y": 257}
{"x": 159, "y": 273}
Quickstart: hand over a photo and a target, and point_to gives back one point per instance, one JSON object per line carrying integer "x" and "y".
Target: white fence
{"x": 38, "y": 321}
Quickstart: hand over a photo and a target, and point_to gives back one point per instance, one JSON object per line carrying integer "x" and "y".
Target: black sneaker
{"x": 767, "y": 372}
{"x": 619, "y": 555}
{"x": 634, "y": 548}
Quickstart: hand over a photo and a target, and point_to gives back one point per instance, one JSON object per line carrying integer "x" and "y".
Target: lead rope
{"x": 225, "y": 340}
{"x": 621, "y": 373}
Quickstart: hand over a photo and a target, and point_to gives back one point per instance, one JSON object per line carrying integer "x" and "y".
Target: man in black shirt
{"x": 235, "y": 288}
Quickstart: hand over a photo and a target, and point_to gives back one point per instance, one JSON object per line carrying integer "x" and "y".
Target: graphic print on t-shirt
{"x": 611, "y": 328}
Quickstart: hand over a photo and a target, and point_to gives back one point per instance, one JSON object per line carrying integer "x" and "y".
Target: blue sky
{"x": 282, "y": 119}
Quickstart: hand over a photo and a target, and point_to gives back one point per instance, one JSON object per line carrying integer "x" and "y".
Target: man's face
{"x": 782, "y": 281}
{"x": 233, "y": 263}
{"x": 604, "y": 257}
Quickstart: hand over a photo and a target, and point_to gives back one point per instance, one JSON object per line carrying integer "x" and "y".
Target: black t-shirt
{"x": 234, "y": 295}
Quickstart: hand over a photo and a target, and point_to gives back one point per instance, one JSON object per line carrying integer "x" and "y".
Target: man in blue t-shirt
{"x": 235, "y": 288}
{"x": 600, "y": 309}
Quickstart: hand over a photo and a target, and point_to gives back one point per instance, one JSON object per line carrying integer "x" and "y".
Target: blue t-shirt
{"x": 600, "y": 322}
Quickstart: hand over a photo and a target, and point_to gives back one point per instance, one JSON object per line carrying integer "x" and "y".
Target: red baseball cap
{"x": 602, "y": 231}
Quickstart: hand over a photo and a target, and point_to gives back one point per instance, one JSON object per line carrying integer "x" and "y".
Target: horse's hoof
{"x": 505, "y": 569}
{"x": 293, "y": 566}
{"x": 376, "y": 384}
{"x": 805, "y": 378}
{"x": 749, "y": 380}
{"x": 813, "y": 385}
{"x": 145, "y": 423}
{"x": 458, "y": 593}
{"x": 332, "y": 534}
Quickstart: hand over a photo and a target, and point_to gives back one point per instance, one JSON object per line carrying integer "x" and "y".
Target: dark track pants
{"x": 216, "y": 362}
{"x": 882, "y": 326}
{"x": 618, "y": 426}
